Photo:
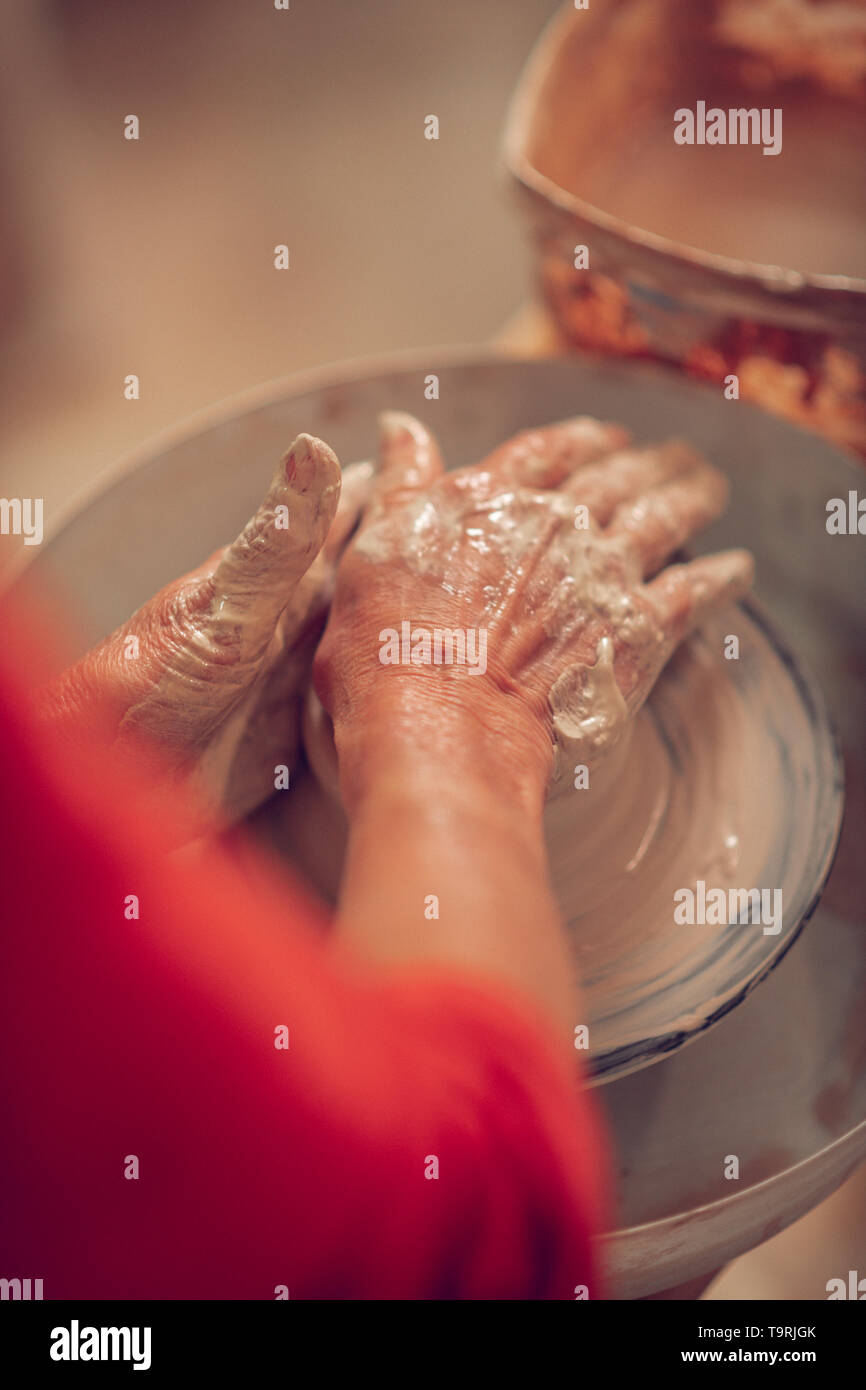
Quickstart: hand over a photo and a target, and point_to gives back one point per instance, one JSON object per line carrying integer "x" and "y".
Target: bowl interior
{"x": 652, "y": 983}
{"x": 730, "y": 776}
{"x": 594, "y": 116}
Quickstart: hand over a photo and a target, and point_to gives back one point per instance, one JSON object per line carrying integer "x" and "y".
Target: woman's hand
{"x": 444, "y": 767}
{"x": 551, "y": 551}
{"x": 211, "y": 671}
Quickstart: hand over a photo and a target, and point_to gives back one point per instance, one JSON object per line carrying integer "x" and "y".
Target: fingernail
{"x": 393, "y": 423}
{"x": 300, "y": 463}
{"x": 310, "y": 463}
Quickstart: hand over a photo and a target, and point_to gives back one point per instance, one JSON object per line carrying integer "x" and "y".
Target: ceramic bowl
{"x": 186, "y": 498}
{"x": 780, "y": 1079}
{"x": 717, "y": 259}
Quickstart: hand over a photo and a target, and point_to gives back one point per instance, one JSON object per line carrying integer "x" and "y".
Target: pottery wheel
{"x": 780, "y": 1082}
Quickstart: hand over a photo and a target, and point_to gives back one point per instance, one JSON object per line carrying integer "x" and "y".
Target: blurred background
{"x": 258, "y": 127}
{"x": 155, "y": 257}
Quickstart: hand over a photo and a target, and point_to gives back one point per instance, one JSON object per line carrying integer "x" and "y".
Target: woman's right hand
{"x": 555, "y": 548}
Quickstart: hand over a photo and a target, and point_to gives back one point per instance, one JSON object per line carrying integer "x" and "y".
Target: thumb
{"x": 409, "y": 458}
{"x": 258, "y": 572}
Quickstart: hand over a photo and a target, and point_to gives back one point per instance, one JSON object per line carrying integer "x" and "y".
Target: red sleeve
{"x": 153, "y": 1039}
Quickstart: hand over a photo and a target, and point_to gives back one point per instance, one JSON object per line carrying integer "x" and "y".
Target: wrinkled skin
{"x": 495, "y": 546}
{"x": 210, "y": 672}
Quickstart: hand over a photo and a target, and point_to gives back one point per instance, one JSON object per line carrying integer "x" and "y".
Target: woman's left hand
{"x": 211, "y": 671}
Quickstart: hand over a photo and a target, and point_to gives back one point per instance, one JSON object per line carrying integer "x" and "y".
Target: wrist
{"x": 455, "y": 749}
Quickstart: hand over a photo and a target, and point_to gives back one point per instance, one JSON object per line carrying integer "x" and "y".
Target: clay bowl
{"x": 719, "y": 259}
{"x": 780, "y": 1080}
{"x": 668, "y": 1001}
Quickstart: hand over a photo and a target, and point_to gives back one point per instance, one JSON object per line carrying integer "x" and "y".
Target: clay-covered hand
{"x": 549, "y": 558}
{"x": 210, "y": 672}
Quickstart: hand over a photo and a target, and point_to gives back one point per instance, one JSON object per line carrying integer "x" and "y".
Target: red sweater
{"x": 258, "y": 1167}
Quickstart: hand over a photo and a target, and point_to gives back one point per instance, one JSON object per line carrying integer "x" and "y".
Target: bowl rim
{"x": 854, "y": 1136}
{"x": 774, "y": 280}
{"x": 353, "y": 371}
{"x": 345, "y": 371}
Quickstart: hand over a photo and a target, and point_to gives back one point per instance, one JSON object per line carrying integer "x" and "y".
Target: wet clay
{"x": 589, "y": 713}
{"x": 690, "y": 790}
{"x": 640, "y": 806}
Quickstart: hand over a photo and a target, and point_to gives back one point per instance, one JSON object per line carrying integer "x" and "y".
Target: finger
{"x": 545, "y": 457}
{"x": 357, "y": 486}
{"x": 258, "y": 572}
{"x": 602, "y": 487}
{"x": 409, "y": 458}
{"x": 682, "y": 595}
{"x": 313, "y": 592}
{"x": 657, "y": 523}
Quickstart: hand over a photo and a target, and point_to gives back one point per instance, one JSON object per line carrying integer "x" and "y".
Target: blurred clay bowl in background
{"x": 717, "y": 259}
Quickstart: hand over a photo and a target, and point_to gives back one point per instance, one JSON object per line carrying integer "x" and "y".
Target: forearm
{"x": 447, "y": 863}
